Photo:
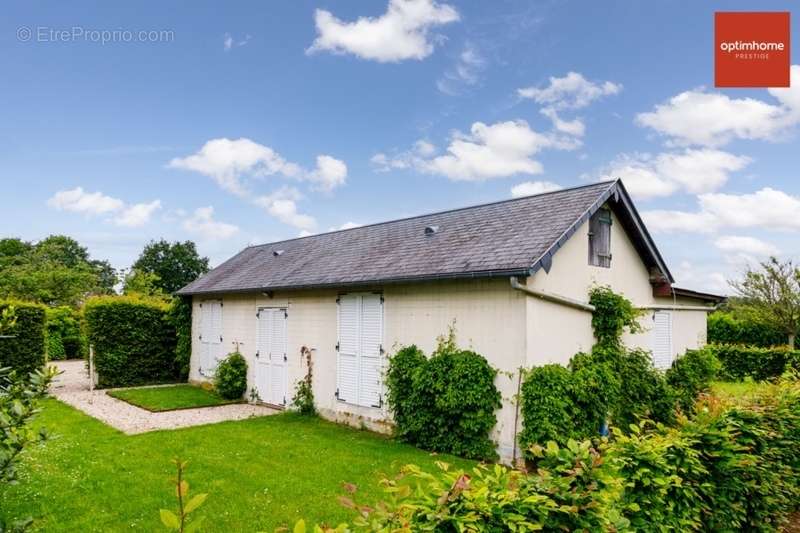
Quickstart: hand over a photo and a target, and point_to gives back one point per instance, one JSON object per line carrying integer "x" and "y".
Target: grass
{"x": 737, "y": 391}
{"x": 260, "y": 473}
{"x": 169, "y": 398}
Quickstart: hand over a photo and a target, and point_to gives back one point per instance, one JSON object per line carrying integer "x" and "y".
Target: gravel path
{"x": 72, "y": 387}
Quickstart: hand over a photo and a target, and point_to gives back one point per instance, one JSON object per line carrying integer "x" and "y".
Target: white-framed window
{"x": 360, "y": 349}
{"x": 661, "y": 339}
{"x": 600, "y": 238}
{"x": 210, "y": 336}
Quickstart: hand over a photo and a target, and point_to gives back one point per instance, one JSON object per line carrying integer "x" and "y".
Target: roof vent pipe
{"x": 430, "y": 230}
{"x": 276, "y": 253}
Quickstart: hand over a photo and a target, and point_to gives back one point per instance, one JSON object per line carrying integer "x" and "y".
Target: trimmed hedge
{"x": 26, "y": 351}
{"x": 133, "y": 339}
{"x": 741, "y": 362}
{"x": 446, "y": 403}
{"x": 180, "y": 315}
{"x": 725, "y": 329}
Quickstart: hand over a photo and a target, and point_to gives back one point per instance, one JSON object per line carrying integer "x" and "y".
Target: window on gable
{"x": 600, "y": 239}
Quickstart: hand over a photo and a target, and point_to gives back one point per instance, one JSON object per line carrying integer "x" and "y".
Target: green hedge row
{"x": 725, "y": 329}
{"x": 740, "y": 361}
{"x": 445, "y": 403}
{"x": 730, "y": 468}
{"x": 133, "y": 339}
{"x": 26, "y": 350}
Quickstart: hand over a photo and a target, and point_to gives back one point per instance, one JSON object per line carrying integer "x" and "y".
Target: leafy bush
{"x": 740, "y": 361}
{"x": 180, "y": 316}
{"x": 230, "y": 379}
{"x": 408, "y": 409}
{"x": 446, "y": 403}
{"x": 645, "y": 392}
{"x": 547, "y": 406}
{"x": 55, "y": 346}
{"x": 25, "y": 351}
{"x": 567, "y": 493}
{"x": 596, "y": 390}
{"x": 731, "y": 468}
{"x": 134, "y": 342}
{"x": 691, "y": 374}
{"x": 19, "y": 403}
{"x": 724, "y": 328}
{"x": 65, "y": 323}
{"x": 303, "y": 399}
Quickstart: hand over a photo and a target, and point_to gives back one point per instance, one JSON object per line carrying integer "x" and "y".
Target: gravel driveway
{"x": 72, "y": 387}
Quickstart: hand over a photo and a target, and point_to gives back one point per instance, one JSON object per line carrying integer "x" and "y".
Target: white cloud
{"x": 466, "y": 71}
{"x": 137, "y": 215}
{"x": 667, "y": 221}
{"x": 329, "y": 174}
{"x": 573, "y": 91}
{"x": 96, "y": 203}
{"x": 229, "y": 42}
{"x": 746, "y": 245}
{"x": 574, "y": 127}
{"x": 528, "y": 188}
{"x": 79, "y": 201}
{"x": 570, "y": 92}
{"x": 490, "y": 151}
{"x": 703, "y": 277}
{"x": 231, "y": 162}
{"x": 713, "y": 119}
{"x": 695, "y": 171}
{"x": 421, "y": 150}
{"x": 226, "y": 161}
{"x": 202, "y": 223}
{"x": 400, "y": 33}
{"x": 282, "y": 204}
{"x": 767, "y": 208}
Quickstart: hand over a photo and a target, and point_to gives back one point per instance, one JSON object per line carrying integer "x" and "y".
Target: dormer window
{"x": 600, "y": 239}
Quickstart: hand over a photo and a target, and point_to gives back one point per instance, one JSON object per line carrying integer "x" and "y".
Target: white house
{"x": 513, "y": 275}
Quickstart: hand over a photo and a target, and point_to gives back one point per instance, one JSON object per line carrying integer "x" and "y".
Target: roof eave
{"x": 477, "y": 274}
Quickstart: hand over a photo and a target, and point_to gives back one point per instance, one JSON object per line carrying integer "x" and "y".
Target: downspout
{"x": 550, "y": 297}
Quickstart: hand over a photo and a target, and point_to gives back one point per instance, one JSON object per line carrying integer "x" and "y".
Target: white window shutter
{"x": 370, "y": 350}
{"x": 662, "y": 339}
{"x": 347, "y": 375}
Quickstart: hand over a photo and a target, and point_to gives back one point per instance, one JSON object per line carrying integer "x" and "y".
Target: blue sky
{"x": 241, "y": 123}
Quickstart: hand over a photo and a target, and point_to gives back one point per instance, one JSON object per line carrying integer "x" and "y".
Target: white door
{"x": 210, "y": 336}
{"x": 271, "y": 357}
{"x": 360, "y": 351}
{"x": 661, "y": 336}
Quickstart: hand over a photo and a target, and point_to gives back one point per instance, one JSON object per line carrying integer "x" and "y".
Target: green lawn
{"x": 260, "y": 473}
{"x": 737, "y": 391}
{"x": 182, "y": 396}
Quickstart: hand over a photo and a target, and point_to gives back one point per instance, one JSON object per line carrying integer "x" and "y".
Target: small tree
{"x": 176, "y": 264}
{"x": 771, "y": 293}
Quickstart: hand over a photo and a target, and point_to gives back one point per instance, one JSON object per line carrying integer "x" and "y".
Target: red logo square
{"x": 751, "y": 49}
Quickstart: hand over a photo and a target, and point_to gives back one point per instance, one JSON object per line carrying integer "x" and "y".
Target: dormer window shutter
{"x": 600, "y": 238}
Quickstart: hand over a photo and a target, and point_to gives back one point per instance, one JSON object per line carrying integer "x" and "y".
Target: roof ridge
{"x": 452, "y": 210}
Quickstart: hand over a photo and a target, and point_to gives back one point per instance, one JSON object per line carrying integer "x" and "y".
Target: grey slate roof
{"x": 511, "y": 237}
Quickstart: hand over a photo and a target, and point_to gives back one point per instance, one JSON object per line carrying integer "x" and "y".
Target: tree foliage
{"x": 771, "y": 294}
{"x": 175, "y": 264}
{"x": 54, "y": 271}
